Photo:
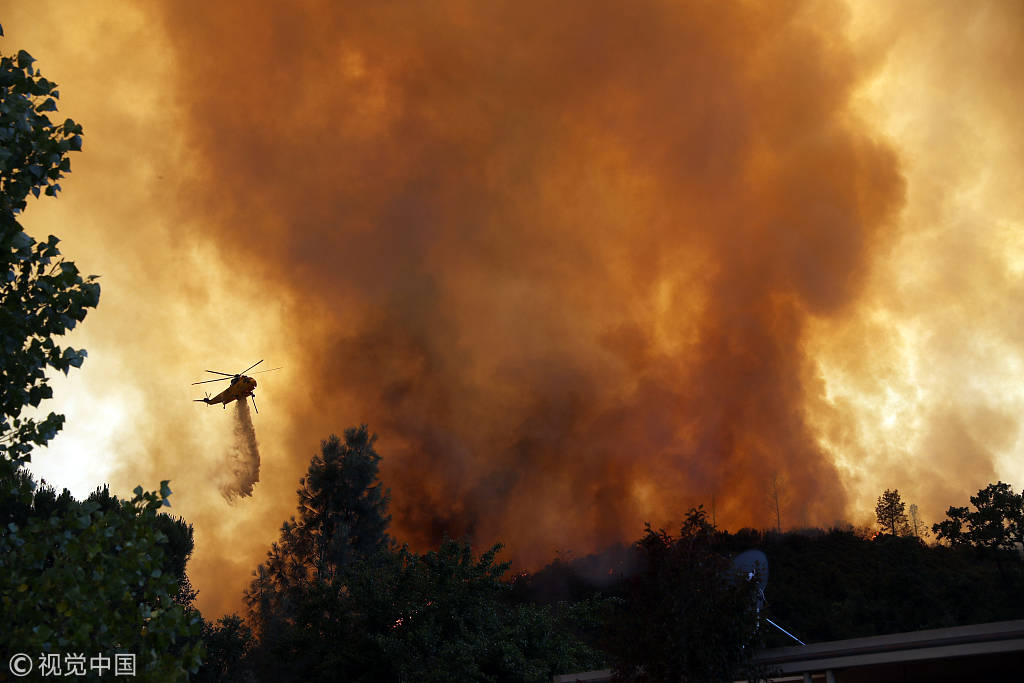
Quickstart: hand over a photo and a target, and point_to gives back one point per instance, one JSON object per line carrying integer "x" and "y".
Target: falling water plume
{"x": 242, "y": 460}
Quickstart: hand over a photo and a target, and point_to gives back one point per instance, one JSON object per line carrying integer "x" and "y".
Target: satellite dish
{"x": 750, "y": 564}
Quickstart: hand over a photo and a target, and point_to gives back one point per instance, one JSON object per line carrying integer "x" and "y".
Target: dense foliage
{"x": 77, "y": 576}
{"x": 831, "y": 585}
{"x": 683, "y": 616}
{"x": 102, "y": 576}
{"x": 228, "y": 644}
{"x": 337, "y": 600}
{"x": 838, "y": 583}
{"x": 41, "y": 296}
{"x": 996, "y": 524}
{"x": 328, "y": 606}
{"x": 342, "y": 517}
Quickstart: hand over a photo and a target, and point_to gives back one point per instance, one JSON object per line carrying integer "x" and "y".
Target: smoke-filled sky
{"x": 580, "y": 265}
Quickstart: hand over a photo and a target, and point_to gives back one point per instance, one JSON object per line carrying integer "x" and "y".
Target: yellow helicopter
{"x": 241, "y": 387}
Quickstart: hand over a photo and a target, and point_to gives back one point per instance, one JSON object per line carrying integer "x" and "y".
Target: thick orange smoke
{"x": 561, "y": 259}
{"x": 580, "y": 265}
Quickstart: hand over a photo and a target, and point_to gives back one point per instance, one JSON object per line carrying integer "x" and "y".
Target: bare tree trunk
{"x": 919, "y": 528}
{"x": 773, "y": 499}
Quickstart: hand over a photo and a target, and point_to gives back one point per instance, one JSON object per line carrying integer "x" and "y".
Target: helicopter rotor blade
{"x": 226, "y": 374}
{"x": 270, "y": 370}
{"x": 205, "y": 381}
{"x": 251, "y": 367}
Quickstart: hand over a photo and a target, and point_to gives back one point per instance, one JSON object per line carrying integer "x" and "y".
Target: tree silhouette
{"x": 953, "y": 529}
{"x": 891, "y": 514}
{"x": 342, "y": 515}
{"x": 228, "y": 643}
{"x": 342, "y": 506}
{"x": 336, "y": 600}
{"x": 101, "y": 574}
{"x": 996, "y": 525}
{"x": 683, "y": 618}
{"x": 998, "y": 520}
{"x": 41, "y": 295}
{"x": 96, "y": 574}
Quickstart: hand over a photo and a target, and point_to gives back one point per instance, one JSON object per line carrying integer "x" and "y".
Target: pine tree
{"x": 343, "y": 508}
{"x": 342, "y": 518}
{"x": 891, "y": 514}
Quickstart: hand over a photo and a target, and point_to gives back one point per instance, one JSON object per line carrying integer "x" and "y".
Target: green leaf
{"x": 24, "y": 59}
{"x": 36, "y": 305}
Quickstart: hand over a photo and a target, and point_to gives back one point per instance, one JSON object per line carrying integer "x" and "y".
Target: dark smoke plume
{"x": 560, "y": 256}
{"x": 242, "y": 460}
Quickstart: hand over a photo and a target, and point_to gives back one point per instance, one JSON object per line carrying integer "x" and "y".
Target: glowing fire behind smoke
{"x": 242, "y": 460}
{"x": 562, "y": 260}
